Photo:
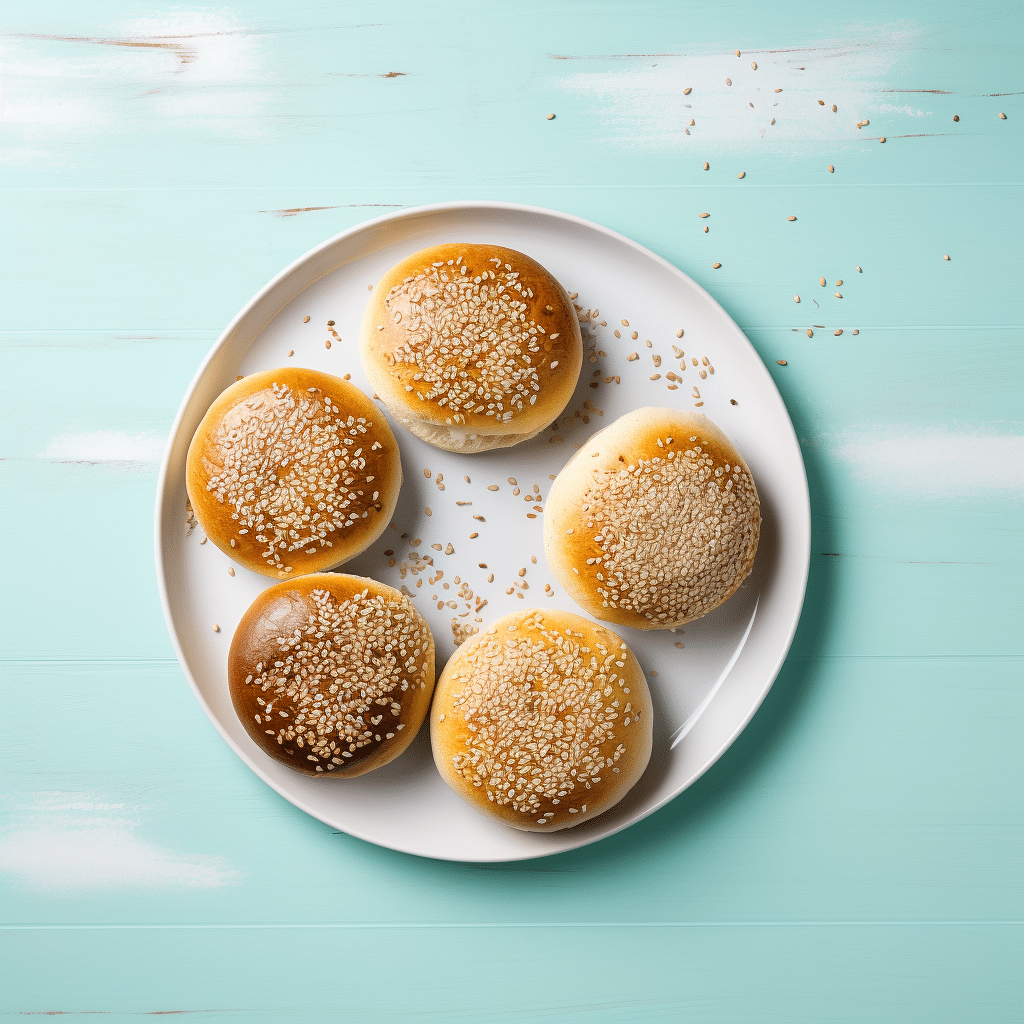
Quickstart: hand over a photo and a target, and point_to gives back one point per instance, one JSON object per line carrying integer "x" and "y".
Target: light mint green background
{"x": 856, "y": 856}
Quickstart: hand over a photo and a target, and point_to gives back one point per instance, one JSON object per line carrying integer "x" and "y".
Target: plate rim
{"x": 163, "y": 485}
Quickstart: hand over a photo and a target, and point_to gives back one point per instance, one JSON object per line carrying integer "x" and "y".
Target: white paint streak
{"x": 107, "y": 446}
{"x": 644, "y": 106}
{"x": 62, "y": 842}
{"x": 933, "y": 463}
{"x": 198, "y": 65}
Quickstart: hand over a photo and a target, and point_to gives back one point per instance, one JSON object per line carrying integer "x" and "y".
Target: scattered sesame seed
{"x": 550, "y": 117}
{"x": 810, "y": 333}
{"x": 821, "y": 281}
{"x": 330, "y": 323}
{"x": 838, "y": 295}
{"x": 778, "y": 90}
{"x": 742, "y": 174}
{"x": 831, "y": 169}
{"x": 703, "y": 216}
{"x": 216, "y": 628}
{"x": 231, "y": 572}
{"x": 882, "y": 139}
{"x": 956, "y": 117}
{"x": 632, "y": 357}
{"x": 737, "y": 53}
{"x": 715, "y": 266}
{"x": 791, "y": 217}
{"x": 772, "y": 121}
{"x": 781, "y": 362}
{"x": 305, "y": 319}
{"x": 707, "y": 166}
{"x": 821, "y": 103}
{"x": 473, "y": 536}
{"x": 492, "y": 487}
{"x": 679, "y": 333}
{"x": 1002, "y": 116}
{"x": 732, "y": 401}
{"x": 837, "y": 333}
{"x": 753, "y": 66}
{"x": 327, "y": 343}
{"x": 796, "y": 298}
{"x": 945, "y": 257}
{"x": 291, "y": 351}
{"x": 686, "y": 92}
{"x": 728, "y": 81}
{"x": 428, "y": 512}
{"x": 855, "y": 332}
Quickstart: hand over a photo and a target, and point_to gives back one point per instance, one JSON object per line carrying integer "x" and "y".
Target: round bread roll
{"x": 332, "y": 674}
{"x": 293, "y": 471}
{"x": 472, "y": 347}
{"x": 654, "y": 521}
{"x": 543, "y": 720}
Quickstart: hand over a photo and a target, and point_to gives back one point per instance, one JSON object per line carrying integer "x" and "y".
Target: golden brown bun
{"x": 439, "y": 346}
{"x": 654, "y": 521}
{"x": 285, "y": 484}
{"x": 543, "y": 720}
{"x": 332, "y": 674}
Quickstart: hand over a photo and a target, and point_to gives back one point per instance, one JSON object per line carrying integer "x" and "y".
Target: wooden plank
{"x": 906, "y": 974}
{"x": 898, "y": 234}
{"x": 865, "y": 789}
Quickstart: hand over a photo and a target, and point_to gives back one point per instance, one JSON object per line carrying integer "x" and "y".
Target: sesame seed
{"x": 473, "y": 536}
{"x": 781, "y": 362}
{"x": 305, "y": 319}
{"x": 945, "y": 257}
{"x": 821, "y": 103}
{"x": 796, "y": 298}
{"x": 732, "y": 401}
{"x": 625, "y": 323}
{"x": 291, "y": 352}
{"x": 554, "y": 364}
{"x": 742, "y": 174}
{"x": 231, "y": 572}
{"x": 686, "y": 92}
{"x": 728, "y": 81}
{"x": 831, "y": 169}
{"x": 778, "y": 90}
{"x": 837, "y": 333}
{"x": 838, "y": 295}
{"x": 492, "y": 487}
{"x": 327, "y": 343}
{"x": 956, "y": 117}
{"x": 707, "y": 166}
{"x": 679, "y": 333}
{"x": 427, "y": 511}
{"x": 821, "y": 281}
{"x": 737, "y": 53}
{"x": 791, "y": 217}
{"x": 715, "y": 266}
{"x": 753, "y": 66}
{"x": 810, "y": 333}
{"x": 216, "y": 628}
{"x": 550, "y": 117}
{"x": 1002, "y": 116}
{"x": 704, "y": 216}
{"x": 882, "y": 139}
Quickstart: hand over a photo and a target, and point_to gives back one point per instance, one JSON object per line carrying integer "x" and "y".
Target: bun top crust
{"x": 476, "y": 336}
{"x": 655, "y": 520}
{"x": 293, "y": 471}
{"x": 332, "y": 674}
{"x": 543, "y": 720}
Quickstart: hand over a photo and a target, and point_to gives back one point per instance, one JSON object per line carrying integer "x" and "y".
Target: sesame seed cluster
{"x": 676, "y": 533}
{"x": 470, "y": 337}
{"x": 294, "y": 468}
{"x": 332, "y": 687}
{"x": 545, "y": 716}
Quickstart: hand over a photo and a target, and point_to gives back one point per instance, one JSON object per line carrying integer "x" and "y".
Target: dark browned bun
{"x": 654, "y": 521}
{"x": 293, "y": 471}
{"x": 472, "y": 347}
{"x": 542, "y": 721}
{"x": 331, "y": 674}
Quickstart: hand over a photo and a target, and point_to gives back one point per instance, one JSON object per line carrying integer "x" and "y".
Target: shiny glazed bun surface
{"x": 293, "y": 471}
{"x": 471, "y": 347}
{"x": 331, "y": 674}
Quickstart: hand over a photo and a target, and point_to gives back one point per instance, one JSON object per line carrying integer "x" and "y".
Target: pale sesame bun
{"x": 542, "y": 721}
{"x": 472, "y": 347}
{"x": 654, "y": 521}
{"x": 293, "y": 471}
{"x": 332, "y": 674}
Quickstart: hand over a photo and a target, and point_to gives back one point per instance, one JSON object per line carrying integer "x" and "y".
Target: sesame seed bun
{"x": 293, "y": 471}
{"x": 654, "y": 521}
{"x": 542, "y": 721}
{"x": 472, "y": 347}
{"x": 332, "y": 674}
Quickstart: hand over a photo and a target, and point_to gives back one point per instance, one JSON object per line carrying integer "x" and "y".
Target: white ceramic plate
{"x": 704, "y": 692}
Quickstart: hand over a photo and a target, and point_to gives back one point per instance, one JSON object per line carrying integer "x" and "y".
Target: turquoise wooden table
{"x": 856, "y": 855}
